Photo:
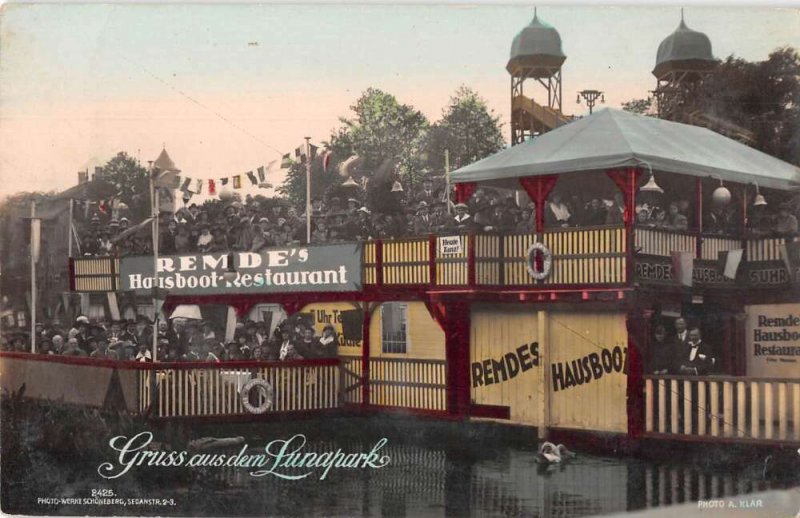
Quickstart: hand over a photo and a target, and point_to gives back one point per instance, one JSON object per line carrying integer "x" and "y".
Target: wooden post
{"x": 698, "y": 215}
{"x": 432, "y": 259}
{"x": 379, "y": 262}
{"x": 365, "y": 345}
{"x": 544, "y": 361}
{"x": 637, "y": 338}
{"x": 471, "y": 260}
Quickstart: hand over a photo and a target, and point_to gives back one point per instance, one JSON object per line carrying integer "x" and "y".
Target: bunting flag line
{"x": 198, "y": 187}
{"x": 185, "y": 184}
{"x": 252, "y": 177}
{"x": 212, "y": 187}
{"x": 286, "y": 161}
{"x": 223, "y": 181}
{"x": 262, "y": 176}
{"x": 237, "y": 181}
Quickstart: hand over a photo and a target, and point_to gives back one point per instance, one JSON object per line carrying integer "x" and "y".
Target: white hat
{"x": 83, "y": 319}
{"x": 364, "y": 210}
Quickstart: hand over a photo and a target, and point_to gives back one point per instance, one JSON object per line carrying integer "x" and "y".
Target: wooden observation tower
{"x": 684, "y": 60}
{"x": 535, "y": 54}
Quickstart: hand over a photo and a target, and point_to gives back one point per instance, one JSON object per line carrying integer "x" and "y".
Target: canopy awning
{"x": 613, "y": 139}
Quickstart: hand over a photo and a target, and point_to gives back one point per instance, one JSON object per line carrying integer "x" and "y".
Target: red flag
{"x": 212, "y": 188}
{"x": 326, "y": 159}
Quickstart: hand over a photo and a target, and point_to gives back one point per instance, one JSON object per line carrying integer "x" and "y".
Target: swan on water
{"x": 550, "y": 453}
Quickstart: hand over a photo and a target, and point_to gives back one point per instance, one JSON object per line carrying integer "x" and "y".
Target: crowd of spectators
{"x": 257, "y": 223}
{"x": 178, "y": 340}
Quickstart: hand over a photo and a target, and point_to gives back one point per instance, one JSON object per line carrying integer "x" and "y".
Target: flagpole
{"x": 447, "y": 177}
{"x": 308, "y": 191}
{"x": 33, "y": 278}
{"x": 69, "y": 231}
{"x": 154, "y": 211}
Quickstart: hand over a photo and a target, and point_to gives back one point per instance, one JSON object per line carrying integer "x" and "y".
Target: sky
{"x": 228, "y": 88}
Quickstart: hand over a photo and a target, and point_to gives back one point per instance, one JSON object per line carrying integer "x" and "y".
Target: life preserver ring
{"x": 264, "y": 387}
{"x": 547, "y": 261}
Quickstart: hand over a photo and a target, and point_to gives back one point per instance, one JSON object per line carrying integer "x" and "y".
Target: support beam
{"x": 464, "y": 191}
{"x": 538, "y": 189}
{"x": 637, "y": 338}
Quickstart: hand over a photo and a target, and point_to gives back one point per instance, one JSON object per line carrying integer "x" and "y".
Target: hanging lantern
{"x": 721, "y": 195}
{"x": 759, "y": 201}
{"x": 350, "y": 182}
{"x": 397, "y": 186}
{"x": 651, "y": 185}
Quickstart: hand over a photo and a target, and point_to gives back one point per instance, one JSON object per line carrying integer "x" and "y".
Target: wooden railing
{"x": 208, "y": 389}
{"x": 746, "y": 409}
{"x": 408, "y": 383}
{"x": 581, "y": 256}
{"x": 662, "y": 242}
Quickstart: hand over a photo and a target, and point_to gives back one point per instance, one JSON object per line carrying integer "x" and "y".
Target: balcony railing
{"x": 660, "y": 242}
{"x": 743, "y": 409}
{"x": 586, "y": 257}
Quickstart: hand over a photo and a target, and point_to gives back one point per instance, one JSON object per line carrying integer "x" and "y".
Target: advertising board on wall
{"x": 773, "y": 341}
{"x": 296, "y": 269}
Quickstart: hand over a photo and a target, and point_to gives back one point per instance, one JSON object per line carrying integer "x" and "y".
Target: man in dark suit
{"x": 696, "y": 357}
{"x": 681, "y": 335}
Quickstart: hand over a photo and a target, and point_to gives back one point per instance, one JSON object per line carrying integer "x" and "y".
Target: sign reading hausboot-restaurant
{"x": 313, "y": 268}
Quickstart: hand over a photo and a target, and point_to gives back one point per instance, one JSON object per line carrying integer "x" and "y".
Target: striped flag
{"x": 300, "y": 152}
{"x": 262, "y": 175}
{"x": 237, "y": 181}
{"x": 252, "y": 177}
{"x": 198, "y": 187}
{"x": 286, "y": 161}
{"x": 185, "y": 185}
{"x": 212, "y": 187}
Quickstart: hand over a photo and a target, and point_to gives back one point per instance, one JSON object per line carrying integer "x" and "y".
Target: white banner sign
{"x": 773, "y": 341}
{"x": 450, "y": 245}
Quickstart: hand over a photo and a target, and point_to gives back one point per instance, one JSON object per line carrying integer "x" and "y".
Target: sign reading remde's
{"x": 313, "y": 268}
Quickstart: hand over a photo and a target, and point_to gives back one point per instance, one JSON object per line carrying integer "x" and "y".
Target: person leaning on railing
{"x": 696, "y": 357}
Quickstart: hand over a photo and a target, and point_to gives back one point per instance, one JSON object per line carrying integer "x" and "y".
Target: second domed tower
{"x": 683, "y": 61}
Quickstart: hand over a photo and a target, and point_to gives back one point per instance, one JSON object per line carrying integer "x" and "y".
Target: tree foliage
{"x": 469, "y": 130}
{"x": 760, "y": 97}
{"x": 396, "y": 141}
{"x": 131, "y": 184}
{"x": 640, "y": 106}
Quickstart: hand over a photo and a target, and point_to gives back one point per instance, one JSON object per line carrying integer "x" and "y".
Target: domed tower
{"x": 535, "y": 54}
{"x": 683, "y": 62}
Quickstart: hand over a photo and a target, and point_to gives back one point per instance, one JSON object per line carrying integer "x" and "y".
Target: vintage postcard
{"x": 399, "y": 260}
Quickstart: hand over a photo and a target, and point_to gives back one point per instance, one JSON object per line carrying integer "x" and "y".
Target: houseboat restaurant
{"x": 559, "y": 330}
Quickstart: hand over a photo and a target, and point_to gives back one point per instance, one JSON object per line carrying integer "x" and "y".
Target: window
{"x": 394, "y": 323}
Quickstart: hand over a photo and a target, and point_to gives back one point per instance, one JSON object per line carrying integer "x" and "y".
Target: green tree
{"x": 130, "y": 184}
{"x": 762, "y": 98}
{"x": 640, "y": 106}
{"x": 468, "y": 129}
{"x": 388, "y": 137}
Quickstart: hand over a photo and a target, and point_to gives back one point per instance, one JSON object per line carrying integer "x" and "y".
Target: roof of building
{"x": 611, "y": 139}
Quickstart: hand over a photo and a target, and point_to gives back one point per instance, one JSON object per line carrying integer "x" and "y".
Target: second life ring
{"x": 264, "y": 387}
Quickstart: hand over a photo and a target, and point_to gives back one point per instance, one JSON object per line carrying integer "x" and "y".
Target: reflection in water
{"x": 436, "y": 469}
{"x": 423, "y": 481}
